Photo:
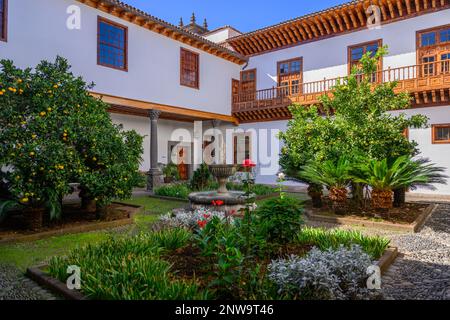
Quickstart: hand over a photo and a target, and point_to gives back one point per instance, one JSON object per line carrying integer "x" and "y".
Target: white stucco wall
{"x": 222, "y": 35}
{"x": 437, "y": 153}
{"x": 328, "y": 58}
{"x": 37, "y": 31}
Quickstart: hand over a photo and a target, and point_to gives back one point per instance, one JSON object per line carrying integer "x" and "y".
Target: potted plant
{"x": 171, "y": 173}
{"x": 384, "y": 176}
{"x": 335, "y": 176}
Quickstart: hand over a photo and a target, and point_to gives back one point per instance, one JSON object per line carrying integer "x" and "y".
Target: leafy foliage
{"x": 201, "y": 178}
{"x": 55, "y": 133}
{"x": 279, "y": 219}
{"x": 126, "y": 269}
{"x": 326, "y": 275}
{"x": 333, "y": 239}
{"x": 404, "y": 172}
{"x": 353, "y": 122}
{"x": 329, "y": 173}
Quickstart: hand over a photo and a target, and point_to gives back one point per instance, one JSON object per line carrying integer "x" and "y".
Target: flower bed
{"x": 204, "y": 255}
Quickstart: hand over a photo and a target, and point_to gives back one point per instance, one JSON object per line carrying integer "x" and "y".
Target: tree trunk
{"x": 357, "y": 193}
{"x": 399, "y": 197}
{"x": 382, "y": 199}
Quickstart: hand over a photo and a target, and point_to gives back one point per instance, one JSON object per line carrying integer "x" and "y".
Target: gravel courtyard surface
{"x": 15, "y": 286}
{"x": 422, "y": 271}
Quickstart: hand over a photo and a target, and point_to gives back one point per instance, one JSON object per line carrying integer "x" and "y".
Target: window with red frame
{"x": 3, "y": 19}
{"x": 112, "y": 44}
{"x": 189, "y": 69}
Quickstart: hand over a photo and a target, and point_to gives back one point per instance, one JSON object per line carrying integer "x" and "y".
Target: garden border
{"x": 412, "y": 227}
{"x": 54, "y": 285}
{"x": 58, "y": 287}
{"x": 97, "y": 226}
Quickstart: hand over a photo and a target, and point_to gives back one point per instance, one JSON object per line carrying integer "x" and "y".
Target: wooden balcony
{"x": 429, "y": 84}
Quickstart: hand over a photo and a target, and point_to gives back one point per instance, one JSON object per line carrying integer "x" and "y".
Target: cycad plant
{"x": 404, "y": 172}
{"x": 334, "y": 175}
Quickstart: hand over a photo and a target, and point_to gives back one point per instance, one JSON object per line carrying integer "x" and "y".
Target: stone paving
{"x": 422, "y": 271}
{"x": 15, "y": 286}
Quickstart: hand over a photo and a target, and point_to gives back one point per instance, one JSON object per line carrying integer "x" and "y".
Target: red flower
{"x": 206, "y": 216}
{"x": 218, "y": 203}
{"x": 248, "y": 163}
{"x": 202, "y": 223}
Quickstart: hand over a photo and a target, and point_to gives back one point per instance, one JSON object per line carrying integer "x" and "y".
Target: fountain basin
{"x": 233, "y": 201}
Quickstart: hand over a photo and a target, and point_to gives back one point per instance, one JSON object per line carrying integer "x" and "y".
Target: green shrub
{"x": 279, "y": 219}
{"x": 178, "y": 190}
{"x": 171, "y": 171}
{"x": 171, "y": 239}
{"x": 201, "y": 178}
{"x": 126, "y": 269}
{"x": 332, "y": 239}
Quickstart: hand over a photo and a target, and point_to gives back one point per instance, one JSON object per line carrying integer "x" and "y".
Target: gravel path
{"x": 422, "y": 271}
{"x": 15, "y": 286}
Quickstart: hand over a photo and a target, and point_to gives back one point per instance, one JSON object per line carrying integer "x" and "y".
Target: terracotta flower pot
{"x": 382, "y": 199}
{"x": 339, "y": 198}
{"x": 34, "y": 218}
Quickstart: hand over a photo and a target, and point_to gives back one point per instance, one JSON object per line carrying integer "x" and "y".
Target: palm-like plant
{"x": 404, "y": 172}
{"x": 334, "y": 175}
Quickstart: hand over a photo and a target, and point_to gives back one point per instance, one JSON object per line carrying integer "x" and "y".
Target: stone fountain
{"x": 233, "y": 200}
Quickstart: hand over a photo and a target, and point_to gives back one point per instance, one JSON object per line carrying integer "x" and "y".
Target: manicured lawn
{"x": 24, "y": 255}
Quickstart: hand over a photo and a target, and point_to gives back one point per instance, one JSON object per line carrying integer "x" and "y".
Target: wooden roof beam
{"x": 400, "y": 8}
{"x": 325, "y": 24}
{"x": 308, "y": 30}
{"x": 339, "y": 21}
{"x": 346, "y": 20}
{"x": 332, "y": 22}
{"x": 361, "y": 12}
{"x": 314, "y": 29}
{"x": 352, "y": 17}
{"x": 265, "y": 41}
{"x": 408, "y": 6}
{"x": 433, "y": 4}
{"x": 274, "y": 37}
{"x": 383, "y": 9}
{"x": 292, "y": 36}
{"x": 319, "y": 25}
{"x": 250, "y": 45}
{"x": 391, "y": 9}
{"x": 302, "y": 31}
{"x": 256, "y": 43}
{"x": 417, "y": 2}
{"x": 282, "y": 35}
{"x": 425, "y": 4}
{"x": 298, "y": 36}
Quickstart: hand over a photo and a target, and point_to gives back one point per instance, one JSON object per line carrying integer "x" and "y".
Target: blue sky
{"x": 245, "y": 15}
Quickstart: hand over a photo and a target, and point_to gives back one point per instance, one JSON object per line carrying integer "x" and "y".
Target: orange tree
{"x": 354, "y": 122}
{"x": 52, "y": 129}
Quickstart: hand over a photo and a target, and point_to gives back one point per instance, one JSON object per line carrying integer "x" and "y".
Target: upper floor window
{"x": 112, "y": 44}
{"x": 356, "y": 52}
{"x": 189, "y": 69}
{"x": 441, "y": 133}
{"x": 3, "y": 19}
{"x": 444, "y": 35}
{"x": 428, "y": 39}
{"x": 290, "y": 76}
{"x": 436, "y": 36}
